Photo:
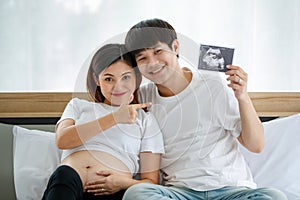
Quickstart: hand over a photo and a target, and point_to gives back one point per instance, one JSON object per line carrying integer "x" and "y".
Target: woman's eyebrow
{"x": 108, "y": 74}
{"x": 128, "y": 72}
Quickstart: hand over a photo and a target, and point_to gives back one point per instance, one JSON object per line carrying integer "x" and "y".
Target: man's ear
{"x": 96, "y": 79}
{"x": 175, "y": 46}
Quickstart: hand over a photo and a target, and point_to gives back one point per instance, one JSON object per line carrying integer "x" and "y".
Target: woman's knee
{"x": 64, "y": 183}
{"x": 65, "y": 175}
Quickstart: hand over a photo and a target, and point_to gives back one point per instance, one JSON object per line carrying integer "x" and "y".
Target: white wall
{"x": 44, "y": 44}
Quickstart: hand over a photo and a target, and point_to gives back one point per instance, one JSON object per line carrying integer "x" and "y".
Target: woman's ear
{"x": 96, "y": 79}
{"x": 175, "y": 46}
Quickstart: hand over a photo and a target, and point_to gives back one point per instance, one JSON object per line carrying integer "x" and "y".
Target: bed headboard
{"x": 50, "y": 105}
{"x": 42, "y": 107}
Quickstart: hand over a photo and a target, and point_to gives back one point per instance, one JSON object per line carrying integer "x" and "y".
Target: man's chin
{"x": 156, "y": 79}
{"x": 160, "y": 81}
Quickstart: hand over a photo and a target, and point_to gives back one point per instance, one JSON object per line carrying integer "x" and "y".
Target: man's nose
{"x": 153, "y": 61}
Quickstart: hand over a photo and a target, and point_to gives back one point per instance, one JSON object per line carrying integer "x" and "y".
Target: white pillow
{"x": 35, "y": 158}
{"x": 278, "y": 166}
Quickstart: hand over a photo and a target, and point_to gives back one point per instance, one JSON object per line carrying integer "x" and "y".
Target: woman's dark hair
{"x": 148, "y": 33}
{"x": 103, "y": 58}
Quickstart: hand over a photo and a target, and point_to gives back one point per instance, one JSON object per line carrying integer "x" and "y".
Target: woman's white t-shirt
{"x": 123, "y": 141}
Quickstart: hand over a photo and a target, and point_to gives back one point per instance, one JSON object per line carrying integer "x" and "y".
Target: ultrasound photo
{"x": 215, "y": 58}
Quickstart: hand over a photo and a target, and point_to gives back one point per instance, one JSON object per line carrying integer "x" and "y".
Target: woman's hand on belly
{"x": 109, "y": 182}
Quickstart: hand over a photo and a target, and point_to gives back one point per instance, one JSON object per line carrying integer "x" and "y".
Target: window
{"x": 45, "y": 44}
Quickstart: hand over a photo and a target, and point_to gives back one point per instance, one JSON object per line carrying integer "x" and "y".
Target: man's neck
{"x": 177, "y": 84}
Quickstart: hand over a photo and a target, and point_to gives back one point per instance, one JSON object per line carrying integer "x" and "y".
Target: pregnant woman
{"x": 111, "y": 134}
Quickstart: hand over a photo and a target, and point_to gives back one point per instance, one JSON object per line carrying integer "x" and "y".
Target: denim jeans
{"x": 158, "y": 192}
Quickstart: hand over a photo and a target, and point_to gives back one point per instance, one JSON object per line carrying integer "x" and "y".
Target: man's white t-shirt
{"x": 123, "y": 141}
{"x": 200, "y": 127}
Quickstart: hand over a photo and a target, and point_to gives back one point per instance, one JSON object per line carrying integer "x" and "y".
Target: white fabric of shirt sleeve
{"x": 71, "y": 111}
{"x": 152, "y": 139}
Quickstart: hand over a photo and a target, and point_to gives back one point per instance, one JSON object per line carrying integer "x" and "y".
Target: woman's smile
{"x": 118, "y": 94}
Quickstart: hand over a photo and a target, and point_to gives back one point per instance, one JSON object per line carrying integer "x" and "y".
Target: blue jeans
{"x": 158, "y": 192}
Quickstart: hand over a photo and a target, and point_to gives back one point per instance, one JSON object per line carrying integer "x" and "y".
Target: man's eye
{"x": 157, "y": 51}
{"x": 140, "y": 59}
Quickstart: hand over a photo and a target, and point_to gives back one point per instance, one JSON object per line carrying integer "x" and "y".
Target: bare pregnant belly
{"x": 87, "y": 163}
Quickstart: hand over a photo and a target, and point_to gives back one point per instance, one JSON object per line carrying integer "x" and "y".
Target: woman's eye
{"x": 127, "y": 77}
{"x": 108, "y": 79}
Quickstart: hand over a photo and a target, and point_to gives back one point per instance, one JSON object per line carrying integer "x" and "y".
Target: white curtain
{"x": 44, "y": 44}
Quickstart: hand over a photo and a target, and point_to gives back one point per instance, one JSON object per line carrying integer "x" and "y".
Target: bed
{"x": 29, "y": 154}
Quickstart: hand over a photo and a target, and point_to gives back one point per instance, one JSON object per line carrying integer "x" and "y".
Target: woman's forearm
{"x": 69, "y": 135}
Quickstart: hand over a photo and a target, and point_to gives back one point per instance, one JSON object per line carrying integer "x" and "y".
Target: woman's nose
{"x": 118, "y": 85}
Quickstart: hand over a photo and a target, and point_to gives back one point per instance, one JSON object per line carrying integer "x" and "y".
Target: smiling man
{"x": 202, "y": 121}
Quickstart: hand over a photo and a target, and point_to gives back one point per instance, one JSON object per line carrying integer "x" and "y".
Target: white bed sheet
{"x": 278, "y": 165}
